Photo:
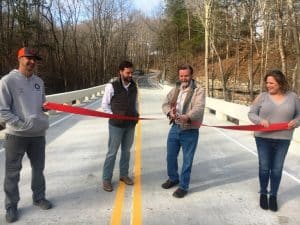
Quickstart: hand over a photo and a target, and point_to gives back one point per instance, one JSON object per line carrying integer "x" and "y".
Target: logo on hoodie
{"x": 37, "y": 86}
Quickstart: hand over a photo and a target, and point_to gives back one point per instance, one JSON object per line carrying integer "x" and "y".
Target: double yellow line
{"x": 116, "y": 218}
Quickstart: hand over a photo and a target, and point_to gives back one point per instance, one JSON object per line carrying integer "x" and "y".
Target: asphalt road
{"x": 223, "y": 188}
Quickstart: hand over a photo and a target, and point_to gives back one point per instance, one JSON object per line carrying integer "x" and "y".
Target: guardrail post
{"x": 206, "y": 110}
{"x": 221, "y": 116}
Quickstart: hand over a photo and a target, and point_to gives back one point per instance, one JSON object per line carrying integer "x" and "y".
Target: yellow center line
{"x": 137, "y": 191}
{"x": 116, "y": 218}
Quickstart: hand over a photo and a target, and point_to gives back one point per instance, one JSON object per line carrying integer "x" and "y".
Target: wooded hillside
{"x": 241, "y": 40}
{"x": 231, "y": 43}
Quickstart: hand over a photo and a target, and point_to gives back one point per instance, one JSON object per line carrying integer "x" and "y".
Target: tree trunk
{"x": 208, "y": 5}
{"x": 250, "y": 59}
{"x": 224, "y": 80}
{"x": 280, "y": 36}
{"x": 294, "y": 24}
{"x": 188, "y": 24}
{"x": 237, "y": 53}
{"x": 264, "y": 43}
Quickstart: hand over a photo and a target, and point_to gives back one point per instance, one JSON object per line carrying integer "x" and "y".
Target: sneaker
{"x": 168, "y": 184}
{"x": 263, "y": 201}
{"x": 126, "y": 180}
{"x": 11, "y": 214}
{"x": 179, "y": 193}
{"x": 273, "y": 203}
{"x": 43, "y": 204}
{"x": 107, "y": 186}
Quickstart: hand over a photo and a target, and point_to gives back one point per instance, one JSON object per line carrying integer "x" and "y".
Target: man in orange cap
{"x": 22, "y": 95}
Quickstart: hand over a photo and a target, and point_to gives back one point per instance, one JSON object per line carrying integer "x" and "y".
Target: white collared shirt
{"x": 108, "y": 94}
{"x": 181, "y": 98}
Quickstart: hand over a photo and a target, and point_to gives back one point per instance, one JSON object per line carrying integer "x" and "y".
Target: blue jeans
{"x": 188, "y": 140}
{"x": 118, "y": 136}
{"x": 271, "y": 156}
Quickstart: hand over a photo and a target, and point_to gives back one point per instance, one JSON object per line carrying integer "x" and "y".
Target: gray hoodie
{"x": 21, "y": 101}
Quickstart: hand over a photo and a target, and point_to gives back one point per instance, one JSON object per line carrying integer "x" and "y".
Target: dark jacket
{"x": 123, "y": 102}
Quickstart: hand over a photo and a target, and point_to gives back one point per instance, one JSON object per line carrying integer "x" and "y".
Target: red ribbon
{"x": 254, "y": 127}
{"x": 89, "y": 112}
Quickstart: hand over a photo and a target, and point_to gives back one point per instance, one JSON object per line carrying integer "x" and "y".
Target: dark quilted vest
{"x": 123, "y": 103}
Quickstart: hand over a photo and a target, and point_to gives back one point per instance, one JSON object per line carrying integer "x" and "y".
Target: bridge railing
{"x": 235, "y": 112}
{"x": 78, "y": 96}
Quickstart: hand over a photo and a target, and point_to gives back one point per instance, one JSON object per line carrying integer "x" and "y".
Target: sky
{"x": 147, "y": 6}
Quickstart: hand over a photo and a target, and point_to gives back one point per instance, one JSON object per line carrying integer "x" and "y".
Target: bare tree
{"x": 250, "y": 9}
{"x": 203, "y": 10}
{"x": 294, "y": 27}
{"x": 265, "y": 17}
{"x": 237, "y": 37}
{"x": 279, "y": 30}
{"x": 1, "y": 36}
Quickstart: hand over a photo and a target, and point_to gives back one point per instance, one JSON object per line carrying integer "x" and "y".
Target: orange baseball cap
{"x": 28, "y": 52}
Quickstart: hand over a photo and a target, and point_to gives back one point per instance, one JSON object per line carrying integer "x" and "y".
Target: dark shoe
{"x": 43, "y": 204}
{"x": 263, "y": 201}
{"x": 107, "y": 186}
{"x": 168, "y": 184}
{"x": 179, "y": 193}
{"x": 273, "y": 203}
{"x": 126, "y": 180}
{"x": 11, "y": 214}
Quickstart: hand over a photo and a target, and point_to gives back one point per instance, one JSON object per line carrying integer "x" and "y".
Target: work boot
{"x": 179, "y": 193}
{"x": 43, "y": 204}
{"x": 11, "y": 214}
{"x": 126, "y": 180}
{"x": 168, "y": 184}
{"x": 107, "y": 186}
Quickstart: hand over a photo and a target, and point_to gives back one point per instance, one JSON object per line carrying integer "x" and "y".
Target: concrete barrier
{"x": 76, "y": 96}
{"x": 232, "y": 111}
